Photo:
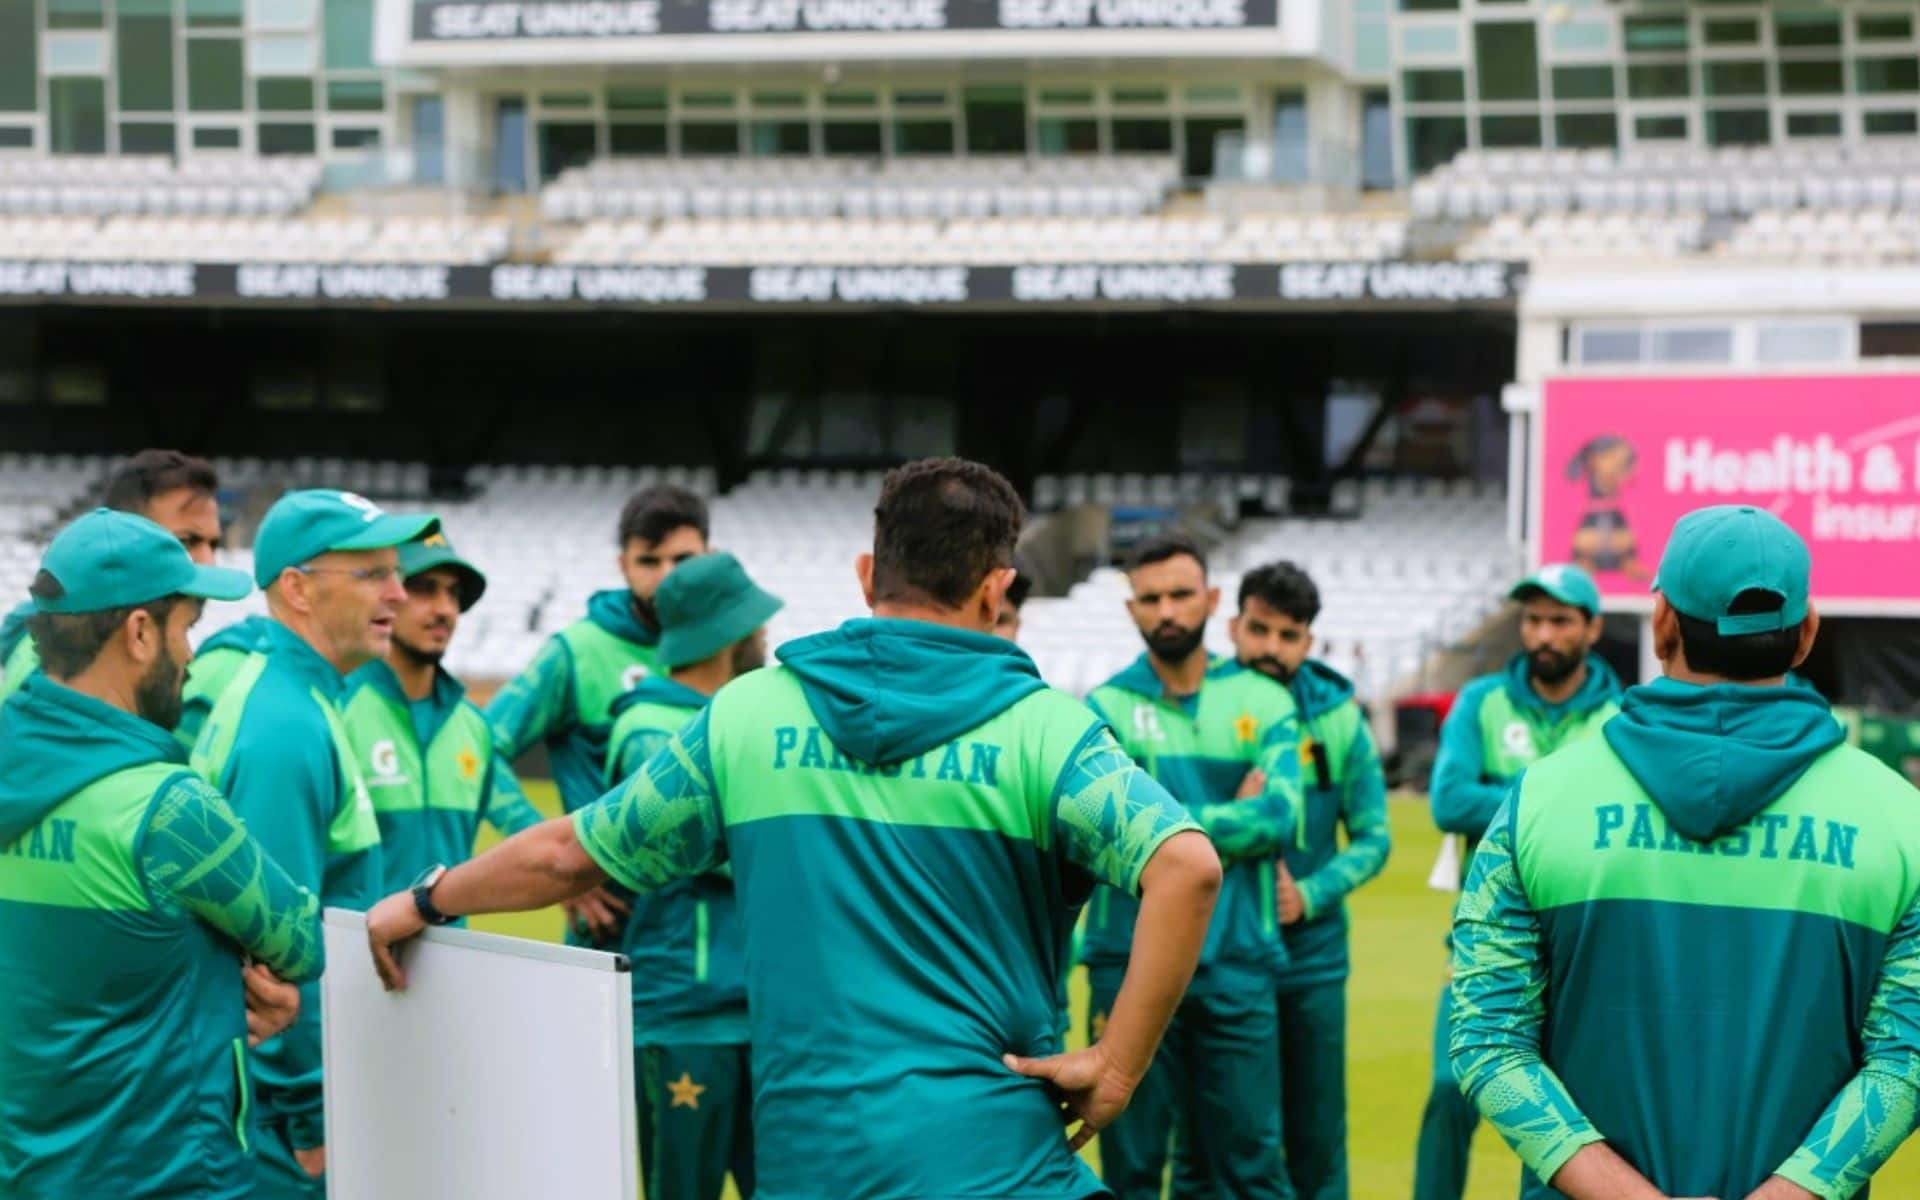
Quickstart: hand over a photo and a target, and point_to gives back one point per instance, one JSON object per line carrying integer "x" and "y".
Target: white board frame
{"x": 443, "y": 1129}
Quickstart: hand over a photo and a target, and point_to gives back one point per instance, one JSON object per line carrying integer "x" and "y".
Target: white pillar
{"x": 1649, "y": 661}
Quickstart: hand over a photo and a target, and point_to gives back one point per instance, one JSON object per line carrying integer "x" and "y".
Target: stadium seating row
{"x": 255, "y": 239}
{"x": 217, "y": 185}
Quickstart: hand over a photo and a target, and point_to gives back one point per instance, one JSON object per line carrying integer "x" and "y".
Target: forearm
{"x": 1177, "y": 893}
{"x": 1364, "y": 857}
{"x": 1595, "y": 1172}
{"x": 533, "y": 869}
{"x": 1244, "y": 829}
{"x": 1462, "y": 804}
{"x": 508, "y": 809}
{"x": 1855, "y": 1136}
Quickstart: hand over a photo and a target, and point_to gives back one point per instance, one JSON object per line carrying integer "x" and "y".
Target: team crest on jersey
{"x": 384, "y": 758}
{"x": 631, "y": 677}
{"x": 1146, "y": 725}
{"x": 1518, "y": 740}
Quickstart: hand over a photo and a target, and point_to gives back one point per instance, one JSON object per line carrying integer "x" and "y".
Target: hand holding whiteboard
{"x": 505, "y": 1070}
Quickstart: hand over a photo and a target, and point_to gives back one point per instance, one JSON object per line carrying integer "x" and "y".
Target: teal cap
{"x": 303, "y": 525}
{"x": 434, "y": 550}
{"x": 110, "y": 559}
{"x": 1716, "y": 553}
{"x": 707, "y": 604}
{"x": 1563, "y": 582}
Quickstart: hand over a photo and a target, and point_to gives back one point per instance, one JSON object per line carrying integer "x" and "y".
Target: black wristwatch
{"x": 423, "y": 896}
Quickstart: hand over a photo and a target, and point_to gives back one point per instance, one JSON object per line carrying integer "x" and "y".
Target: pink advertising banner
{"x": 1618, "y": 461}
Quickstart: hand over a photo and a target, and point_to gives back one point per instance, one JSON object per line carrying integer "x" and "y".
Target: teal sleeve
{"x": 1499, "y": 1009}
{"x": 536, "y": 706}
{"x": 1363, "y": 810}
{"x": 664, "y": 822}
{"x": 1876, "y": 1110}
{"x": 1109, "y": 816}
{"x": 508, "y": 809}
{"x": 634, "y": 749}
{"x": 1463, "y": 800}
{"x": 196, "y": 855}
{"x": 1263, "y": 826}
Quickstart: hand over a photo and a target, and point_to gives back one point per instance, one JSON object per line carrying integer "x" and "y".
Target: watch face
{"x": 430, "y": 876}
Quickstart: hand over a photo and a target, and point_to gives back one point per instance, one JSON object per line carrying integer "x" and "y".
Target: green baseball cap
{"x": 110, "y": 559}
{"x": 707, "y": 604}
{"x": 1563, "y": 582}
{"x": 306, "y": 524}
{"x": 434, "y": 550}
{"x": 1716, "y": 553}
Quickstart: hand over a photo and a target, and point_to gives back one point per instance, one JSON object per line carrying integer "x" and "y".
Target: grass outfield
{"x": 1398, "y": 968}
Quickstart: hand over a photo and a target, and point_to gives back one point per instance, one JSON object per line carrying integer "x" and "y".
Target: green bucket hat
{"x": 304, "y": 525}
{"x": 1716, "y": 553}
{"x": 110, "y": 559}
{"x": 434, "y": 550}
{"x": 1563, "y": 582}
{"x": 705, "y": 605}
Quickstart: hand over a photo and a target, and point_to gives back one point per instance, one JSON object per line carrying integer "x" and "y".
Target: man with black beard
{"x": 426, "y": 749}
{"x": 1550, "y": 694}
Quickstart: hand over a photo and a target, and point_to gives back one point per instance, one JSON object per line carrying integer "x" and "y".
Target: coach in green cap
{"x": 129, "y": 893}
{"x": 275, "y": 744}
{"x": 695, "y": 1098}
{"x": 1705, "y": 923}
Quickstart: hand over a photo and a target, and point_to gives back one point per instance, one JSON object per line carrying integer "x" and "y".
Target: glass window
{"x": 921, "y": 98}
{"x": 77, "y": 115}
{"x": 1655, "y": 33}
{"x": 923, "y": 137}
{"x": 356, "y": 139}
{"x": 1068, "y": 135}
{"x": 1507, "y": 60}
{"x": 1705, "y": 344}
{"x": 1135, "y": 93}
{"x": 1800, "y": 342}
{"x": 1737, "y": 127}
{"x": 1066, "y": 95}
{"x": 1606, "y": 346}
{"x": 19, "y": 59}
{"x": 279, "y": 14}
{"x": 852, "y": 98}
{"x": 565, "y": 144}
{"x": 216, "y": 138}
{"x": 146, "y": 137}
{"x": 780, "y": 137}
{"x": 996, "y": 120}
{"x": 1735, "y": 78}
{"x": 1742, "y": 31}
{"x": 1660, "y": 129}
{"x": 1433, "y": 141}
{"x": 709, "y": 137}
{"x": 1658, "y": 81}
{"x": 1813, "y": 125}
{"x": 850, "y": 137}
{"x": 1429, "y": 5}
{"x": 283, "y": 95}
{"x": 1142, "y": 135}
{"x": 1583, "y": 83}
{"x": 356, "y": 95}
{"x": 1806, "y": 27}
{"x": 1884, "y": 124}
{"x": 1885, "y": 27}
{"x": 349, "y": 34}
{"x": 1201, "y": 135}
{"x": 143, "y": 55}
{"x": 16, "y": 137}
{"x": 77, "y": 52}
{"x": 1376, "y": 141}
{"x": 566, "y": 99}
{"x": 1291, "y": 149}
{"x": 636, "y": 99}
{"x": 777, "y": 99}
{"x": 1823, "y": 78}
{"x": 706, "y": 99}
{"x": 286, "y": 137}
{"x": 225, "y": 14}
{"x": 1212, "y": 93}
{"x": 76, "y": 14}
{"x": 214, "y": 75}
{"x": 636, "y": 140}
{"x": 1586, "y": 131}
{"x": 1876, "y": 75}
{"x": 1425, "y": 87}
{"x": 1508, "y": 131}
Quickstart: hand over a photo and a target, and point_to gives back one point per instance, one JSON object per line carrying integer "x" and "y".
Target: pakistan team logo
{"x": 1518, "y": 740}
{"x": 1146, "y": 725}
{"x": 384, "y": 759}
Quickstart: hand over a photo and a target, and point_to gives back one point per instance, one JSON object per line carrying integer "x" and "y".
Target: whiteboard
{"x": 504, "y": 1071}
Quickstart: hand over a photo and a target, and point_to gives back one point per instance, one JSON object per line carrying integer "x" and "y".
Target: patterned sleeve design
{"x": 196, "y": 855}
{"x": 508, "y": 809}
{"x": 664, "y": 822}
{"x": 1877, "y": 1108}
{"x": 1363, "y": 810}
{"x": 1267, "y": 824}
{"x": 1109, "y": 815}
{"x": 1499, "y": 1008}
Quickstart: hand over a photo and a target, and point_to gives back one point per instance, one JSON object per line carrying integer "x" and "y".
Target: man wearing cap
{"x": 423, "y": 747}
{"x": 130, "y": 894}
{"x": 1553, "y": 693}
{"x": 1705, "y": 923}
{"x": 276, "y": 746}
{"x": 689, "y": 978}
{"x": 174, "y": 490}
{"x": 565, "y": 696}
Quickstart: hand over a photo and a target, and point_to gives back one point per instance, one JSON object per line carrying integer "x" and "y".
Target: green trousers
{"x": 277, "y": 1174}
{"x": 696, "y": 1120}
{"x": 1215, "y": 1079}
{"x": 1446, "y": 1128}
{"x": 1313, "y": 1089}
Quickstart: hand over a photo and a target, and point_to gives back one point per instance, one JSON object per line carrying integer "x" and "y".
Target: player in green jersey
{"x": 1554, "y": 693}
{"x": 1687, "y": 962}
{"x": 912, "y": 817}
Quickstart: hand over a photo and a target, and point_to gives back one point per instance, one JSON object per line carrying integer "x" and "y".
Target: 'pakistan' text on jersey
{"x": 911, "y": 817}
{"x": 1200, "y": 748}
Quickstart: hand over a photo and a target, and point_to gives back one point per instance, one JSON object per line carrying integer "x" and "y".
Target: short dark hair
{"x": 653, "y": 513}
{"x": 1163, "y": 546}
{"x": 1283, "y": 587}
{"x": 1022, "y": 585}
{"x": 67, "y": 643}
{"x": 152, "y": 473}
{"x": 942, "y": 524}
{"x": 1740, "y": 657}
